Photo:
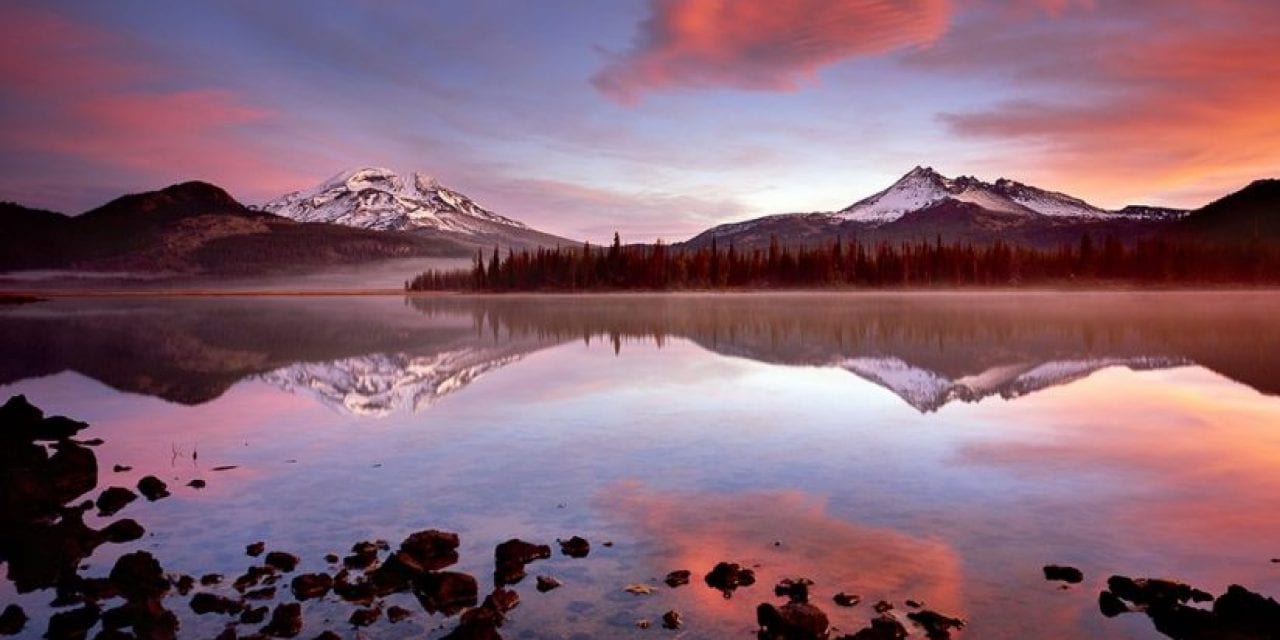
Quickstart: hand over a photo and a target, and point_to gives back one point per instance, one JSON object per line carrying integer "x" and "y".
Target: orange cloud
{"x": 1172, "y": 103}
{"x": 753, "y": 44}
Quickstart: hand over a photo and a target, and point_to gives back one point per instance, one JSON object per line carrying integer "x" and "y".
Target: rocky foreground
{"x": 46, "y": 472}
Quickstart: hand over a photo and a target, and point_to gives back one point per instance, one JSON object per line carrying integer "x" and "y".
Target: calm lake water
{"x": 935, "y": 447}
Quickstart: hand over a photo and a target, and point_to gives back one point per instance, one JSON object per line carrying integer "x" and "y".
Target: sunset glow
{"x": 656, "y": 118}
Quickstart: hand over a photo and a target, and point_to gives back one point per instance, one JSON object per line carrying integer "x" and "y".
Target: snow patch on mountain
{"x": 928, "y": 390}
{"x": 379, "y": 385}
{"x": 378, "y": 198}
{"x": 923, "y": 187}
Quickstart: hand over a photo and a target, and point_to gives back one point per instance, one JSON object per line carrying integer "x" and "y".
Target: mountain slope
{"x": 924, "y": 205}
{"x": 380, "y": 199}
{"x": 1252, "y": 213}
{"x": 195, "y": 228}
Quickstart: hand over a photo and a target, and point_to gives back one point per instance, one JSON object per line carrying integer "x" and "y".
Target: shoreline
{"x": 636, "y": 293}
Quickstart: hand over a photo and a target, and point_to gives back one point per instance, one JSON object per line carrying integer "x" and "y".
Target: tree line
{"x": 850, "y": 263}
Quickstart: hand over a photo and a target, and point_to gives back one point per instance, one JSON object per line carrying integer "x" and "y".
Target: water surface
{"x": 935, "y": 447}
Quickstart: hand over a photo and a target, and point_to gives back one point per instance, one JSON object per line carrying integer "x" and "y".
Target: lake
{"x": 935, "y": 447}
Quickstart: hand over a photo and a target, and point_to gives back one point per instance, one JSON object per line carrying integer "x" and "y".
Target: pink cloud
{"x": 86, "y": 95}
{"x": 751, "y": 44}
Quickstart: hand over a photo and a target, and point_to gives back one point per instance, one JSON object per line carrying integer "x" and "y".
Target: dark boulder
{"x": 882, "y": 628}
{"x": 286, "y": 621}
{"x": 1070, "y": 575}
{"x": 792, "y": 621}
{"x": 203, "y": 603}
{"x": 138, "y": 576}
{"x": 446, "y": 592}
{"x": 728, "y": 577}
{"x": 365, "y": 617}
{"x": 547, "y": 583}
{"x": 846, "y": 599}
{"x": 153, "y": 488}
{"x": 936, "y": 625}
{"x": 793, "y": 589}
{"x": 114, "y": 499}
{"x": 255, "y": 549}
{"x": 12, "y": 620}
{"x": 311, "y": 585}
{"x": 671, "y": 620}
{"x": 575, "y": 547}
{"x": 125, "y": 530}
{"x": 510, "y": 558}
{"x": 429, "y": 550}
{"x": 73, "y": 624}
{"x": 677, "y": 578}
{"x": 281, "y": 560}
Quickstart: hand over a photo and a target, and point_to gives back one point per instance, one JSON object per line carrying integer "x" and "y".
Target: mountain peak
{"x": 923, "y": 187}
{"x": 379, "y": 198}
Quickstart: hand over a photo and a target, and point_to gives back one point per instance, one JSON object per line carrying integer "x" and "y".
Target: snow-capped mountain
{"x": 378, "y": 385}
{"x": 924, "y": 205}
{"x": 923, "y": 187}
{"x": 381, "y": 199}
{"x": 377, "y": 198}
{"x": 928, "y": 390}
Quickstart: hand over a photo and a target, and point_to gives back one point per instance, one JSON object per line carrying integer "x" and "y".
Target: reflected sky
{"x": 690, "y": 431}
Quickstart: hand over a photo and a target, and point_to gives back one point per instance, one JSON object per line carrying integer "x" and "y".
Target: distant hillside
{"x": 1252, "y": 213}
{"x": 192, "y": 228}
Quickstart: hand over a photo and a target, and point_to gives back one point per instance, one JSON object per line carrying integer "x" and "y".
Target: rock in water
{"x": 575, "y": 547}
{"x": 792, "y": 621}
{"x": 727, "y": 577}
{"x": 12, "y": 620}
{"x": 1070, "y": 575}
{"x": 152, "y": 488}
{"x": 286, "y": 621}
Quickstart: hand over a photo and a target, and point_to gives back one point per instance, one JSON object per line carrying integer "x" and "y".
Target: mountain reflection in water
{"x": 370, "y": 357}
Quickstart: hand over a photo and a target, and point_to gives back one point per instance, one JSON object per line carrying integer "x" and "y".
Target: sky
{"x": 656, "y": 118}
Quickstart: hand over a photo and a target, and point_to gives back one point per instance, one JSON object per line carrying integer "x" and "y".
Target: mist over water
{"x": 940, "y": 447}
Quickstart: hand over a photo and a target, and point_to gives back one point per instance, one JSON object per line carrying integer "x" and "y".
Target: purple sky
{"x": 657, "y": 118}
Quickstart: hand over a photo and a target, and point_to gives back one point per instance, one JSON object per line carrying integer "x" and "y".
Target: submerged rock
{"x": 575, "y": 547}
{"x": 727, "y": 577}
{"x": 671, "y": 620}
{"x": 396, "y": 614}
{"x": 311, "y": 585}
{"x": 936, "y": 626}
{"x": 510, "y": 558}
{"x": 286, "y": 621}
{"x": 793, "y": 589}
{"x": 446, "y": 592}
{"x": 846, "y": 599}
{"x": 365, "y": 617}
{"x": 882, "y": 627}
{"x": 203, "y": 603}
{"x": 792, "y": 621}
{"x": 677, "y": 578}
